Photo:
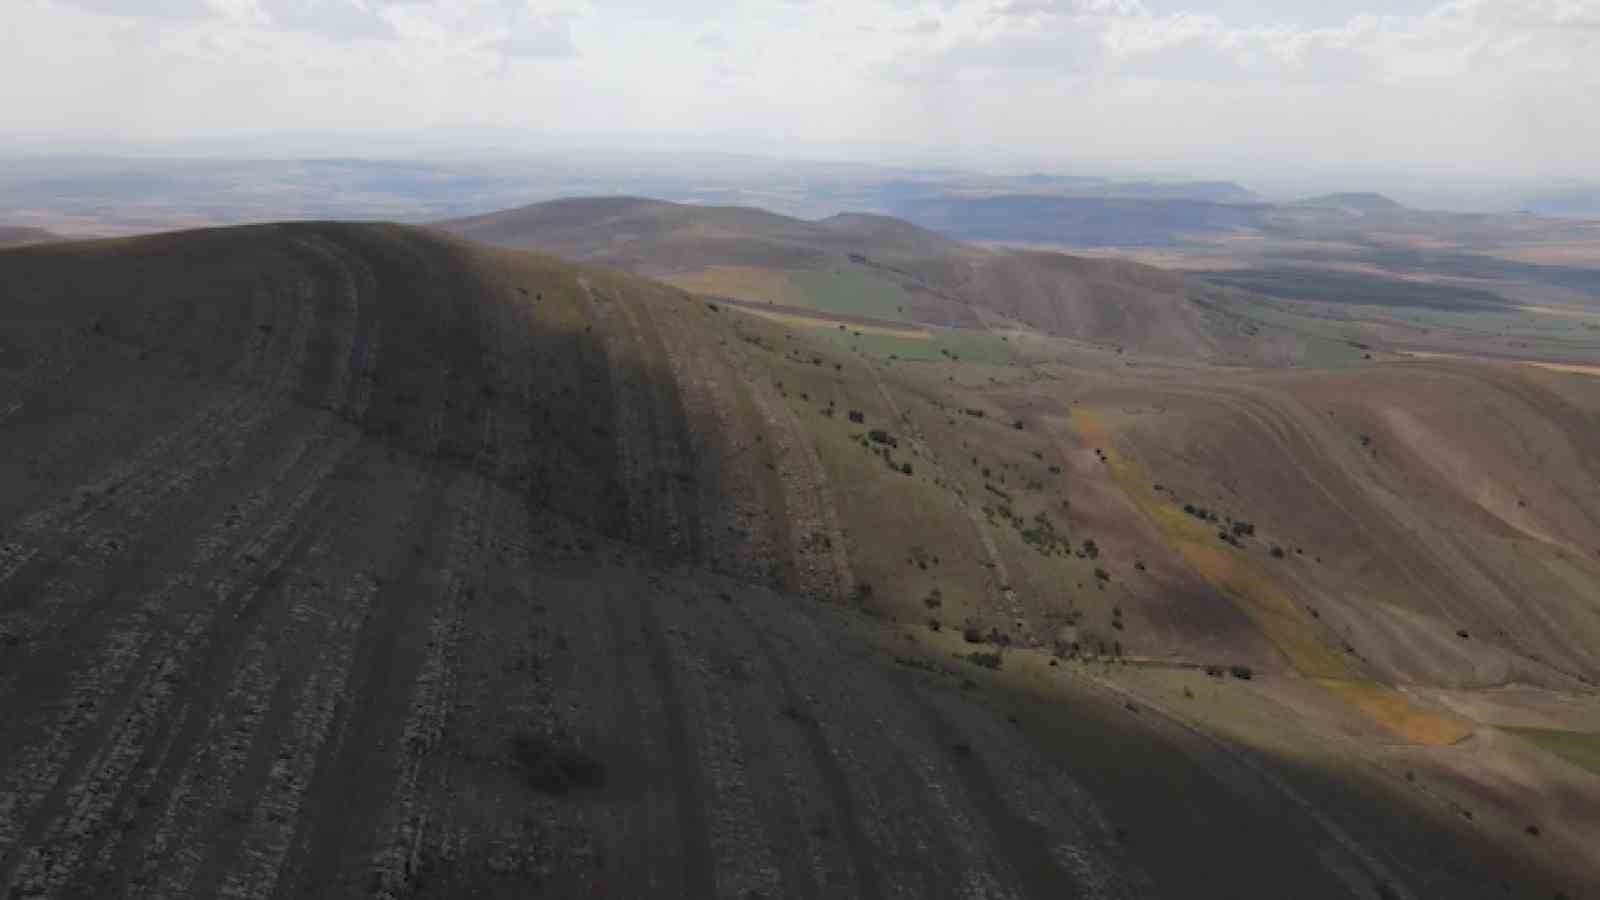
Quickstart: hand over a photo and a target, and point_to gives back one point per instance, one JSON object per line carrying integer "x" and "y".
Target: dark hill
{"x": 360, "y": 560}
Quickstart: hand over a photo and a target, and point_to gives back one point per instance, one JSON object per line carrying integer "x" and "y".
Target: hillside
{"x": 864, "y": 265}
{"x": 1356, "y": 202}
{"x": 349, "y": 560}
{"x": 16, "y": 235}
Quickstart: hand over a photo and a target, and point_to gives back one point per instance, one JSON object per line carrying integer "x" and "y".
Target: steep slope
{"x": 355, "y": 560}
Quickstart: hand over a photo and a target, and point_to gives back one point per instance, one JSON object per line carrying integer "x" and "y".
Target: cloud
{"x": 157, "y": 9}
{"x": 1493, "y": 82}
{"x": 713, "y": 41}
{"x": 343, "y": 19}
{"x": 529, "y": 34}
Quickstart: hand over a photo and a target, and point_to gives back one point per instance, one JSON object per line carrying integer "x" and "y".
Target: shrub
{"x": 857, "y": 416}
{"x": 552, "y": 767}
{"x": 972, "y": 635}
{"x": 1242, "y": 673}
{"x": 1277, "y": 552}
{"x": 987, "y": 660}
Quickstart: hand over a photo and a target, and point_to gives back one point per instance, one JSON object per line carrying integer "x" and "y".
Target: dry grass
{"x": 1396, "y": 712}
{"x": 1569, "y": 368}
{"x": 1227, "y": 569}
{"x": 1231, "y": 572}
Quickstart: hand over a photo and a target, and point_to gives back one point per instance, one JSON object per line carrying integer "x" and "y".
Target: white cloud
{"x": 1491, "y": 83}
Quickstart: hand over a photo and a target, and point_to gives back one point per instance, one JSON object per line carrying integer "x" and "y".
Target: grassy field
{"x": 852, "y": 293}
{"x": 1578, "y": 748}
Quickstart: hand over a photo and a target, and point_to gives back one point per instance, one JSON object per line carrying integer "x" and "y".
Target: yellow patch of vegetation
{"x": 1563, "y": 312}
{"x": 1574, "y": 253}
{"x": 742, "y": 283}
{"x": 800, "y": 321}
{"x": 1229, "y": 570}
{"x": 1224, "y": 567}
{"x": 1570, "y": 368}
{"x": 1566, "y": 367}
{"x": 1395, "y": 711}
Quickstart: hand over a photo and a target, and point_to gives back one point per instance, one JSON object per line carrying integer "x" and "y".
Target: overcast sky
{"x": 1491, "y": 87}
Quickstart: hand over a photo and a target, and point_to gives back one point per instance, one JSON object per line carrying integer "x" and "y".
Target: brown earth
{"x": 345, "y": 560}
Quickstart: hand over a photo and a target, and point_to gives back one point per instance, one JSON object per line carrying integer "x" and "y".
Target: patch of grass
{"x": 851, "y": 293}
{"x": 743, "y": 282}
{"x": 1577, "y": 747}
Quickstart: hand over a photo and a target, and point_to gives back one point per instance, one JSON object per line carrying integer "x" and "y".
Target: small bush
{"x": 972, "y": 635}
{"x": 1242, "y": 673}
{"x": 552, "y": 767}
{"x": 857, "y": 416}
{"x": 986, "y": 660}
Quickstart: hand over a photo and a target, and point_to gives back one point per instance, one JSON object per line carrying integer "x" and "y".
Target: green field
{"x": 852, "y": 294}
{"x": 1576, "y": 747}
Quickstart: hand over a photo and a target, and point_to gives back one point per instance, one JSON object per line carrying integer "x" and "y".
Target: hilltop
{"x": 346, "y": 559}
{"x": 15, "y": 235}
{"x": 1358, "y": 202}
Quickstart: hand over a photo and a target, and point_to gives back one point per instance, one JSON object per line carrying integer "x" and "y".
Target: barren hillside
{"x": 344, "y": 560}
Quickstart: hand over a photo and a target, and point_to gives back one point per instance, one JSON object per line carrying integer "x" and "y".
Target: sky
{"x": 1226, "y": 87}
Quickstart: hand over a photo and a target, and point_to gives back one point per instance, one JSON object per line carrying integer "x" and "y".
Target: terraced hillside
{"x": 344, "y": 560}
